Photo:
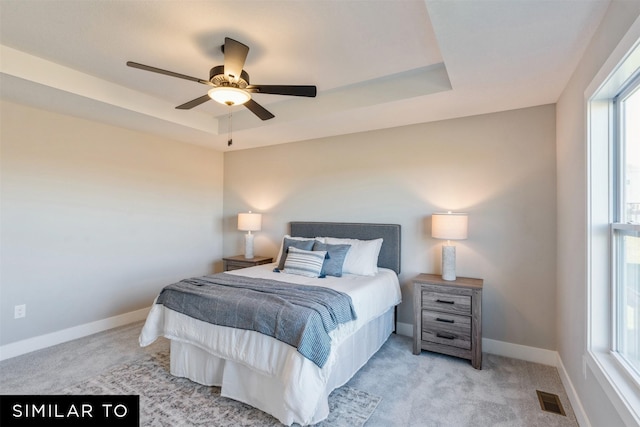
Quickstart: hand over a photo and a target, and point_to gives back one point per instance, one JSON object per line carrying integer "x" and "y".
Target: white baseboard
{"x": 8, "y": 351}
{"x": 522, "y": 352}
{"x": 576, "y": 404}
{"x": 405, "y": 329}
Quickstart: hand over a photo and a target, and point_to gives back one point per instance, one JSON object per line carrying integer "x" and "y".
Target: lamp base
{"x": 248, "y": 246}
{"x": 448, "y": 262}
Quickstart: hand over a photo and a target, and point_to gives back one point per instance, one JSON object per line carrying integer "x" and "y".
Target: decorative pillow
{"x": 335, "y": 258}
{"x": 304, "y": 263}
{"x": 362, "y": 258}
{"x": 297, "y": 242}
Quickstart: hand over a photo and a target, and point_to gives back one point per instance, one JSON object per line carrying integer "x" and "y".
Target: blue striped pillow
{"x": 304, "y": 263}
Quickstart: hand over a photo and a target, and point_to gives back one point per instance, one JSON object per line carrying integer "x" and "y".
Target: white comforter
{"x": 304, "y": 383}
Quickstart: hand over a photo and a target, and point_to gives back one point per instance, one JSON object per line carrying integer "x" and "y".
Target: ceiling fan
{"x": 230, "y": 83}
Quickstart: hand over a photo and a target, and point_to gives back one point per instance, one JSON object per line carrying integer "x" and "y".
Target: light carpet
{"x": 428, "y": 389}
{"x": 166, "y": 400}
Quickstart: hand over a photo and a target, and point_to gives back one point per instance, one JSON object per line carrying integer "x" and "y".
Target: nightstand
{"x": 239, "y": 261}
{"x": 448, "y": 317}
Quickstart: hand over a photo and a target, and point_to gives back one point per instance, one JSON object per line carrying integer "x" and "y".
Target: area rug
{"x": 166, "y": 400}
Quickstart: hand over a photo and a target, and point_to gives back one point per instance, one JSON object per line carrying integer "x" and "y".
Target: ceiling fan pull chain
{"x": 230, "y": 129}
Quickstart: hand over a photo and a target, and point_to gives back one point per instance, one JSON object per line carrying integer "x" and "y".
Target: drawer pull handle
{"x": 441, "y": 301}
{"x": 445, "y": 336}
{"x": 440, "y": 319}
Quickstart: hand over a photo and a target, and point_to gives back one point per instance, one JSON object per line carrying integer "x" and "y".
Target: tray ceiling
{"x": 376, "y": 64}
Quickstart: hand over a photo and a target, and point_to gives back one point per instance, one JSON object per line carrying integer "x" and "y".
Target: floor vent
{"x": 550, "y": 402}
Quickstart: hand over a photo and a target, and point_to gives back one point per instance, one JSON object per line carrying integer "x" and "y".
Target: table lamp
{"x": 449, "y": 226}
{"x": 249, "y": 222}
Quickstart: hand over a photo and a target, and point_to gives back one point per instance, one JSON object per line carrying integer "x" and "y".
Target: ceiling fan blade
{"x": 194, "y": 102}
{"x": 309, "y": 91}
{"x": 235, "y": 54}
{"x": 167, "y": 73}
{"x": 258, "y": 110}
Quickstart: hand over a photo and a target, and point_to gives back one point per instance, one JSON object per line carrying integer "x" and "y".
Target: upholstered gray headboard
{"x": 389, "y": 254}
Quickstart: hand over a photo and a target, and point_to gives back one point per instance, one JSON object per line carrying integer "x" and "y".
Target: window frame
{"x": 620, "y": 224}
{"x": 609, "y": 369}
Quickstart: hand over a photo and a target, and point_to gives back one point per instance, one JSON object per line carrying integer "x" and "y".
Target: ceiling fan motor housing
{"x": 219, "y": 78}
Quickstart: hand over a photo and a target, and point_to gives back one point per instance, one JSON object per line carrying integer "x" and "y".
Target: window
{"x": 625, "y": 228}
{"x": 613, "y": 237}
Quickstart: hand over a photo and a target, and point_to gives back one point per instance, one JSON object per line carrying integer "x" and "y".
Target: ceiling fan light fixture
{"x": 227, "y": 95}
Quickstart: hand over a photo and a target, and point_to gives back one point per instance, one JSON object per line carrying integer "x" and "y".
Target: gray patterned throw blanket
{"x": 299, "y": 315}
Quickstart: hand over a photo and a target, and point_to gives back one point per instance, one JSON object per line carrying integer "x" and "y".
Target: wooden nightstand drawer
{"x": 447, "y": 329}
{"x": 446, "y": 302}
{"x": 232, "y": 265}
{"x": 239, "y": 261}
{"x": 448, "y": 317}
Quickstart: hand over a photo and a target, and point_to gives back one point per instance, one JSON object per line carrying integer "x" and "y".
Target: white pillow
{"x": 286, "y": 236}
{"x": 362, "y": 258}
{"x": 304, "y": 263}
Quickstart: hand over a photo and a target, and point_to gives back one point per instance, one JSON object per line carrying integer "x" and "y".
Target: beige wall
{"x": 498, "y": 167}
{"x": 572, "y": 208}
{"x": 96, "y": 219}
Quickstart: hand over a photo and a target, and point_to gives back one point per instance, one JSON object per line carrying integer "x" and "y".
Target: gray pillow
{"x": 305, "y": 245}
{"x": 335, "y": 258}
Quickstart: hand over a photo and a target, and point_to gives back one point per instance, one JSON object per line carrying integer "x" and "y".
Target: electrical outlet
{"x": 20, "y": 311}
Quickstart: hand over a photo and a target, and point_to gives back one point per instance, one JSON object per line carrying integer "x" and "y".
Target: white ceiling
{"x": 376, "y": 63}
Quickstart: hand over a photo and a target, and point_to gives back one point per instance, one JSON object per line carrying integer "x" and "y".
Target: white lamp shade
{"x": 449, "y": 226}
{"x": 249, "y": 221}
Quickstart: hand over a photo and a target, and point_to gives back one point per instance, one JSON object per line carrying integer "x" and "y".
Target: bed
{"x": 271, "y": 375}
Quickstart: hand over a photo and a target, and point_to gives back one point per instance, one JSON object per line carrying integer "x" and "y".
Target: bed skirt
{"x": 267, "y": 393}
